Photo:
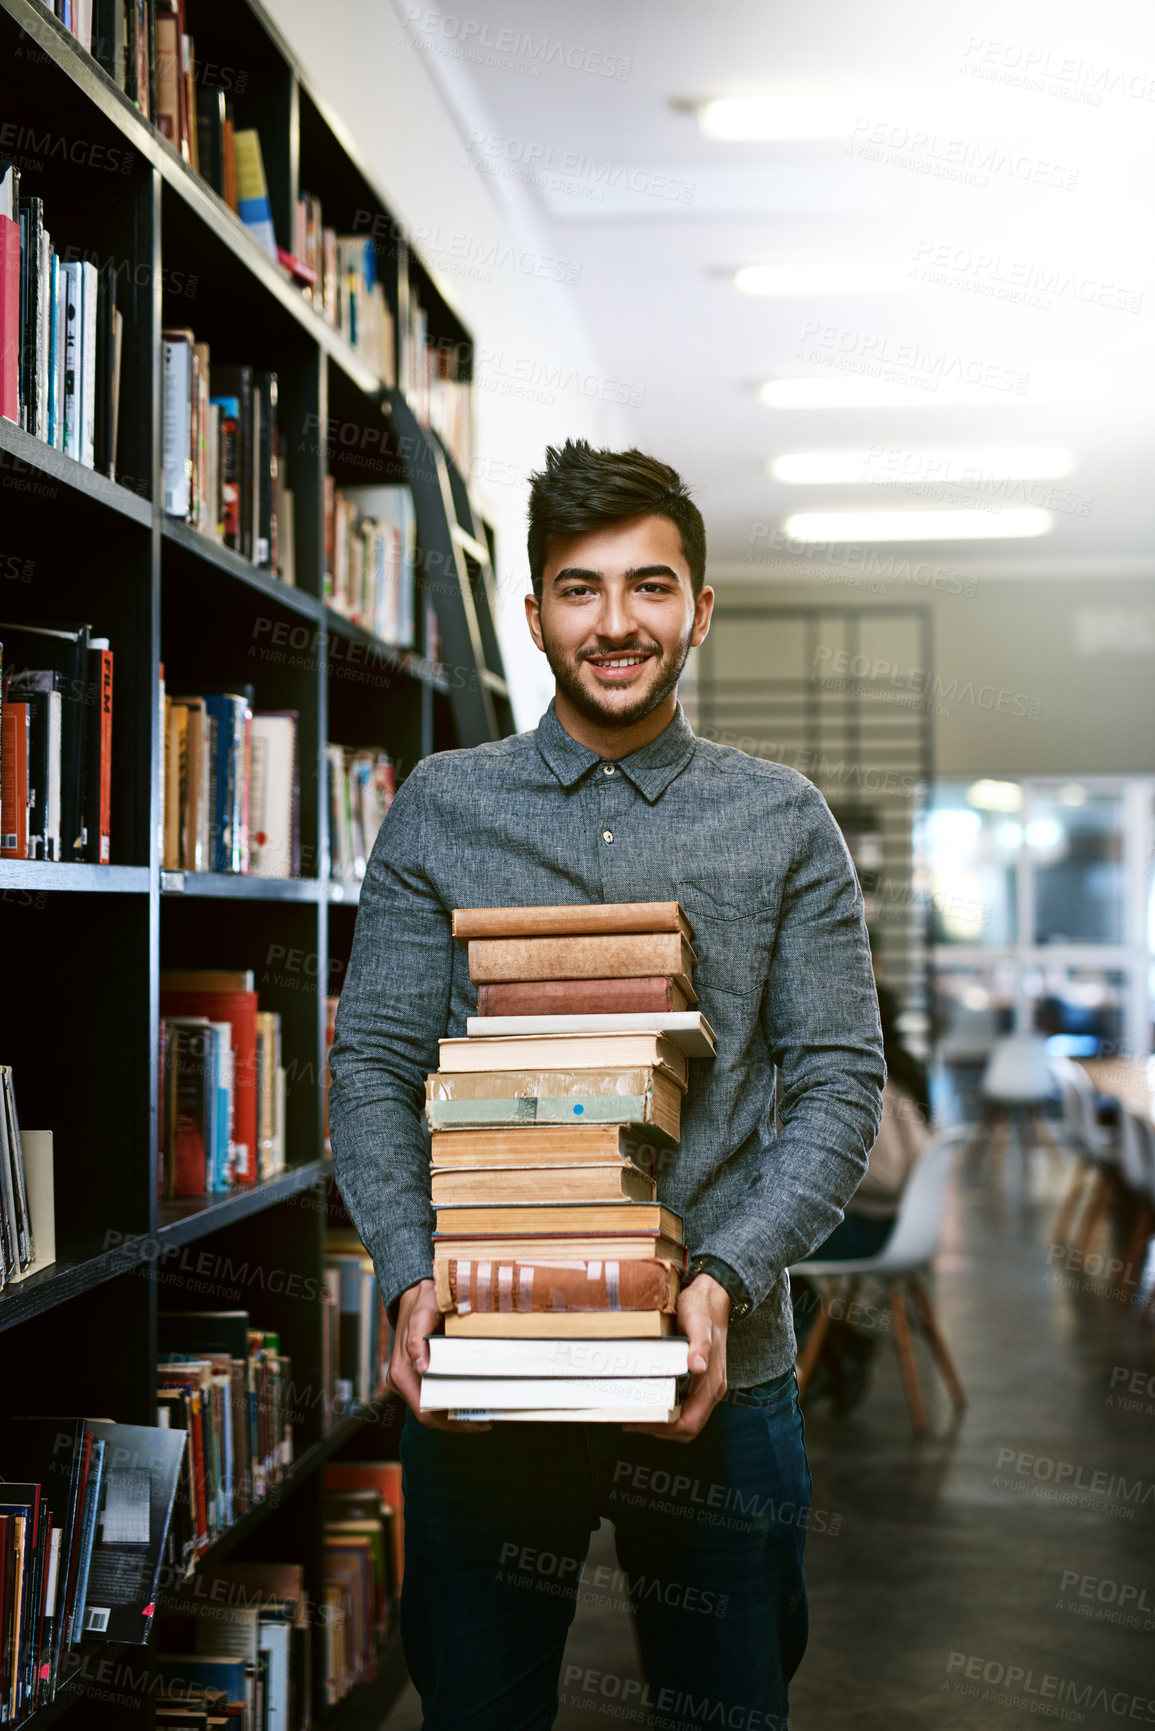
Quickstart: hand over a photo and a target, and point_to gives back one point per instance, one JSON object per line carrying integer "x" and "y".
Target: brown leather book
{"x": 605, "y": 1181}
{"x": 540, "y": 1145}
{"x": 571, "y": 920}
{"x": 561, "y": 1247}
{"x": 630, "y": 956}
{"x": 480, "y": 1288}
{"x": 622, "y": 997}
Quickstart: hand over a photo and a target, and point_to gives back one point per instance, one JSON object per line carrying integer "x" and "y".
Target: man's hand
{"x": 417, "y": 1316}
{"x": 704, "y": 1318}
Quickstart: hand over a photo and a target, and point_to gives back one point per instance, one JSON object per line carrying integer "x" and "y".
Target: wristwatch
{"x": 740, "y": 1301}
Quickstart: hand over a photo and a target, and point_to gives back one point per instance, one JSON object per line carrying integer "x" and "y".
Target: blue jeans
{"x": 710, "y": 1538}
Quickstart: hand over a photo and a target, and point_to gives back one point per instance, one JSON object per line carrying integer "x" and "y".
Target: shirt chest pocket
{"x": 733, "y": 934}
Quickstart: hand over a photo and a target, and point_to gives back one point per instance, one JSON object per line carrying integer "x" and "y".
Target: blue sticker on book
{"x": 579, "y": 1108}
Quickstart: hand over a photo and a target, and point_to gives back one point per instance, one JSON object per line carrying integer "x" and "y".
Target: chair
{"x": 1094, "y": 1147}
{"x": 1017, "y": 1082}
{"x": 1137, "y": 1170}
{"x": 900, "y": 1263}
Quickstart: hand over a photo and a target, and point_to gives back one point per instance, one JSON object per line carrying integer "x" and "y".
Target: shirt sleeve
{"x": 393, "y": 1010}
{"x": 819, "y": 1016}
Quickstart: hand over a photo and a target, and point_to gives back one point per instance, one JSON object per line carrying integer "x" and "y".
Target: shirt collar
{"x": 651, "y": 768}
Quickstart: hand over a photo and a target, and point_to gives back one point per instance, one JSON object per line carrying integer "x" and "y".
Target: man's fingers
{"x": 697, "y": 1328}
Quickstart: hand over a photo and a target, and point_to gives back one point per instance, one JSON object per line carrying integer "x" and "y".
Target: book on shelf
{"x": 217, "y": 998}
{"x": 383, "y": 1480}
{"x": 85, "y": 1509}
{"x": 60, "y": 335}
{"x": 27, "y": 1218}
{"x": 222, "y": 468}
{"x": 253, "y": 205}
{"x": 370, "y": 546}
{"x": 238, "y": 1609}
{"x": 362, "y": 784}
{"x": 431, "y": 379}
{"x": 362, "y": 1339}
{"x": 231, "y": 786}
{"x": 229, "y": 1386}
{"x": 551, "y": 1235}
{"x": 57, "y": 713}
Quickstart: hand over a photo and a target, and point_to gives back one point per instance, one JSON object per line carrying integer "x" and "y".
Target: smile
{"x": 618, "y": 663}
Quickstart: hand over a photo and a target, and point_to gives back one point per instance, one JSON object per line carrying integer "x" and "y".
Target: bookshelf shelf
{"x": 20, "y": 450}
{"x": 404, "y": 661}
{"x": 341, "y": 892}
{"x": 70, "y": 1276}
{"x": 177, "y": 606}
{"x": 237, "y": 886}
{"x": 31, "y": 877}
{"x": 189, "y": 1218}
{"x": 203, "y": 548}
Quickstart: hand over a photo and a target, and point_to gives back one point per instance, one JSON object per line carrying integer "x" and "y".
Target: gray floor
{"x": 948, "y": 1585}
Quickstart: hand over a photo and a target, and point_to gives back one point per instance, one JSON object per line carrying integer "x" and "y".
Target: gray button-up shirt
{"x": 750, "y": 851}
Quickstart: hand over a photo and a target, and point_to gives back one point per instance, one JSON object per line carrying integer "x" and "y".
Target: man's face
{"x": 617, "y": 618}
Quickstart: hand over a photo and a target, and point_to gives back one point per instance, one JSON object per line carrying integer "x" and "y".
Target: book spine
{"x": 89, "y": 281}
{"x": 177, "y": 465}
{"x": 9, "y": 319}
{"x": 579, "y": 997}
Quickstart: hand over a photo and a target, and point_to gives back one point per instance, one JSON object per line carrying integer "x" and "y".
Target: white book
{"x": 460, "y": 1356}
{"x": 273, "y": 795}
{"x": 36, "y": 1146}
{"x": 177, "y": 461}
{"x": 275, "y": 1636}
{"x": 82, "y": 23}
{"x": 579, "y": 1415}
{"x": 688, "y": 1029}
{"x": 70, "y": 273}
{"x": 639, "y": 1395}
{"x": 89, "y": 287}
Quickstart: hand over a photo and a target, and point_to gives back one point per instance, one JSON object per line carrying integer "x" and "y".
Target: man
{"x": 613, "y": 799}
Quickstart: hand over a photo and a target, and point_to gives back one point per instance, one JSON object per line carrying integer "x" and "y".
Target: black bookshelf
{"x": 83, "y": 944}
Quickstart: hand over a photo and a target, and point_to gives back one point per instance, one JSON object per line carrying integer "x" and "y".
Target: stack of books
{"x": 556, "y": 1265}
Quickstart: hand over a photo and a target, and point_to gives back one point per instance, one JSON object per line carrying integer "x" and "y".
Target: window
{"x": 1041, "y": 894}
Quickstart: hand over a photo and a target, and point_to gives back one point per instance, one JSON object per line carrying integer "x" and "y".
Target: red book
{"x": 14, "y": 781}
{"x": 9, "y": 319}
{"x": 383, "y": 1476}
{"x": 239, "y": 1009}
{"x": 580, "y": 997}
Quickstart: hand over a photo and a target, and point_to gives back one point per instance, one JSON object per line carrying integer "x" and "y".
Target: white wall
{"x": 409, "y": 114}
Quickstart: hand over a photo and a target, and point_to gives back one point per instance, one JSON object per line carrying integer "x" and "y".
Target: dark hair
{"x": 582, "y": 489}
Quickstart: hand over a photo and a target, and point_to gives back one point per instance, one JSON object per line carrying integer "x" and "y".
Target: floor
{"x": 949, "y": 1585}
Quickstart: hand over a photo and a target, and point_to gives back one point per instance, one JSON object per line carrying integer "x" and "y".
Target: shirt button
{"x": 607, "y": 835}
{"x": 607, "y": 769}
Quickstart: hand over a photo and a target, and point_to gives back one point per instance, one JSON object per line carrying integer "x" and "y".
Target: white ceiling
{"x": 561, "y": 145}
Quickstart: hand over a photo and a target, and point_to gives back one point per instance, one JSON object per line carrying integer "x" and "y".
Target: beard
{"x": 663, "y": 670}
